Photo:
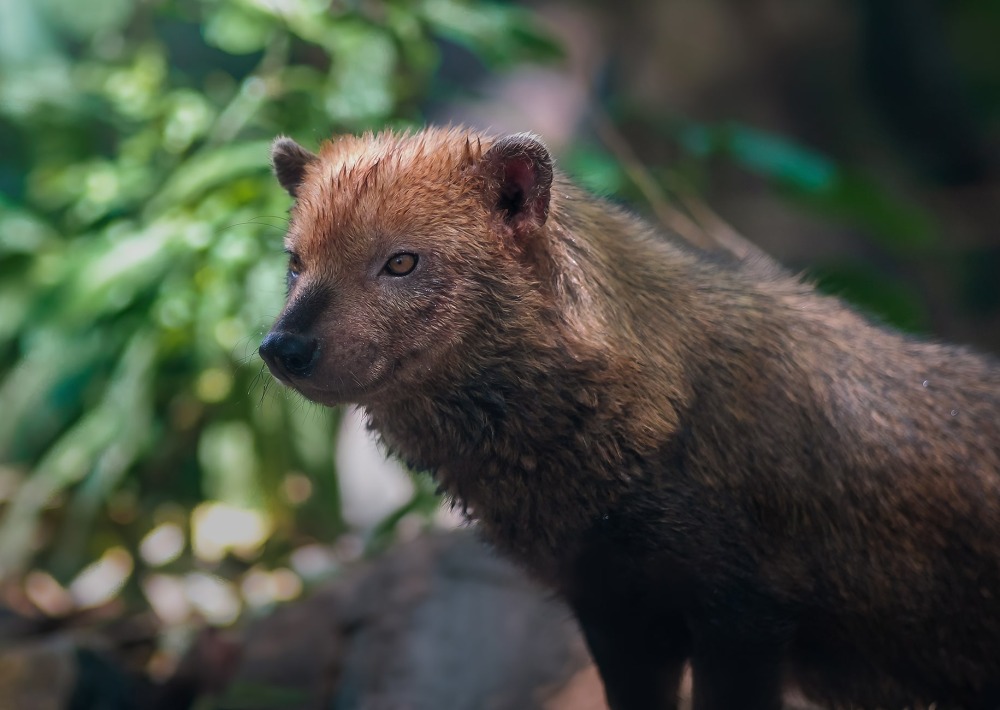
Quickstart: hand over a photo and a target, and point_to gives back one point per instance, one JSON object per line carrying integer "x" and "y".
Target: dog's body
{"x": 707, "y": 459}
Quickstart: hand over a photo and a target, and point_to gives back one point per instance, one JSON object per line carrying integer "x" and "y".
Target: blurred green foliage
{"x": 140, "y": 250}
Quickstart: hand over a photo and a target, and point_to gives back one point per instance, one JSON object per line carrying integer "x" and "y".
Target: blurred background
{"x": 149, "y": 466}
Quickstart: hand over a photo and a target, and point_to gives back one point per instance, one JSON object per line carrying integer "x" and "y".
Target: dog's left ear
{"x": 518, "y": 176}
{"x": 289, "y": 161}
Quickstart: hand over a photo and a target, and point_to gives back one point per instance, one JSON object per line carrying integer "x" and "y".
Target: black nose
{"x": 289, "y": 354}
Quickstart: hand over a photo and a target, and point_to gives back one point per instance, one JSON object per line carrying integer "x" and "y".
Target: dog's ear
{"x": 289, "y": 161}
{"x": 518, "y": 176}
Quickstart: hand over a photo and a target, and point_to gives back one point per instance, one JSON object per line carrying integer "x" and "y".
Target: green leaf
{"x": 238, "y": 29}
{"x": 815, "y": 182}
{"x": 25, "y": 37}
{"x": 501, "y": 34}
{"x": 763, "y": 153}
{"x": 596, "y": 170}
{"x": 22, "y": 232}
{"x": 85, "y": 21}
{"x": 360, "y": 86}
{"x": 201, "y": 173}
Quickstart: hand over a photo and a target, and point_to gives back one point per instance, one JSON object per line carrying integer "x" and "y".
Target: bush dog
{"x": 710, "y": 462}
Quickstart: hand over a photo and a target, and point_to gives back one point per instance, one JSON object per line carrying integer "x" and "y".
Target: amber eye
{"x": 401, "y": 264}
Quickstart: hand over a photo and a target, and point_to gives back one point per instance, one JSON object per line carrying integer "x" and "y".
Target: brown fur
{"x": 709, "y": 460}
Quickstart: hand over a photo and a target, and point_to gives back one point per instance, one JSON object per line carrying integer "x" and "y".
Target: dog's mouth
{"x": 334, "y": 388}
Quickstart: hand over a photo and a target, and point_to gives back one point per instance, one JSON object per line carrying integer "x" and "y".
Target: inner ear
{"x": 289, "y": 161}
{"x": 519, "y": 181}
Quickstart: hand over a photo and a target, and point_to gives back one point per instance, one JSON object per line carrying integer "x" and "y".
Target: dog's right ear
{"x": 289, "y": 161}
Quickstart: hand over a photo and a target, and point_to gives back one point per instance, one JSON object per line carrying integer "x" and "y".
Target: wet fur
{"x": 707, "y": 459}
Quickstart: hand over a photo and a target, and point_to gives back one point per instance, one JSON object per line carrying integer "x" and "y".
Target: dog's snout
{"x": 289, "y": 353}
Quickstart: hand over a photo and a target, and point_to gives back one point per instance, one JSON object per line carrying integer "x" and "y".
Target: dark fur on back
{"x": 709, "y": 460}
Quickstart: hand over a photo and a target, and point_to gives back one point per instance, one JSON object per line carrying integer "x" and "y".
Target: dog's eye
{"x": 401, "y": 264}
{"x": 294, "y": 265}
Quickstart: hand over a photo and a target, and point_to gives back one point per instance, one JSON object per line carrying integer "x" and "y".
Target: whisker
{"x": 255, "y": 221}
{"x": 267, "y": 384}
{"x": 247, "y": 343}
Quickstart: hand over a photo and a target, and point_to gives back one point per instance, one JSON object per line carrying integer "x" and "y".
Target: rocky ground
{"x": 433, "y": 624}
